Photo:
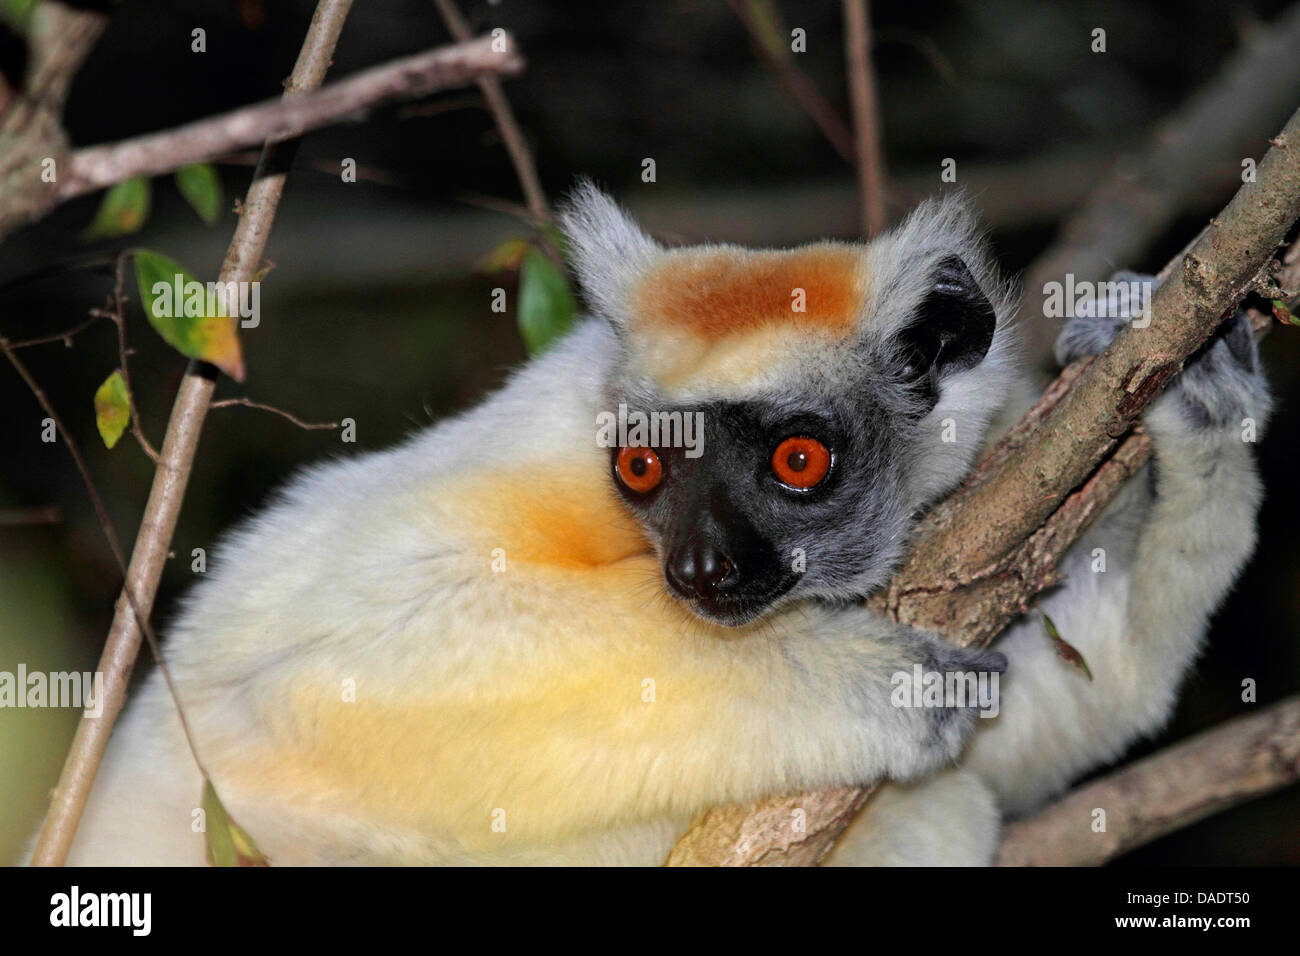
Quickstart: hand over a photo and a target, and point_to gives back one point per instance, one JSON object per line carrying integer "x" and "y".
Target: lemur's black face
{"x": 776, "y": 502}
{"x": 808, "y": 494}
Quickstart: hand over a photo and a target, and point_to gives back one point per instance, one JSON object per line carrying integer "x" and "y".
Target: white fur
{"x": 364, "y": 568}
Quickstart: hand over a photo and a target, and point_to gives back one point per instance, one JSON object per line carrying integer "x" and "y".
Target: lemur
{"x": 503, "y": 642}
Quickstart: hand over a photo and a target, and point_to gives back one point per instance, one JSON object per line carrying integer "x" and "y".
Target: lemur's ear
{"x": 607, "y": 248}
{"x": 951, "y": 330}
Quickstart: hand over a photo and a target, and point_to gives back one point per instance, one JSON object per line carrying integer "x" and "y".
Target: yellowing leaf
{"x": 1283, "y": 314}
{"x": 506, "y": 256}
{"x": 546, "y": 306}
{"x": 185, "y": 313}
{"x": 1067, "y": 652}
{"x": 122, "y": 211}
{"x": 201, "y": 187}
{"x": 112, "y": 408}
{"x": 228, "y": 844}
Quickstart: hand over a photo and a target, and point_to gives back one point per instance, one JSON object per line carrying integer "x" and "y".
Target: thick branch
{"x": 786, "y": 831}
{"x": 1220, "y": 768}
{"x": 171, "y": 477}
{"x": 1037, "y": 489}
{"x": 408, "y": 77}
{"x": 59, "y": 39}
{"x": 995, "y": 515}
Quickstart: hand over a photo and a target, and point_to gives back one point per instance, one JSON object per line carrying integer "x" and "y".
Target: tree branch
{"x": 249, "y": 403}
{"x": 801, "y": 89}
{"x": 1243, "y": 758}
{"x": 177, "y": 458}
{"x": 504, "y": 117}
{"x": 59, "y": 38}
{"x": 866, "y": 116}
{"x": 405, "y": 78}
{"x": 1036, "y": 490}
{"x": 1191, "y": 158}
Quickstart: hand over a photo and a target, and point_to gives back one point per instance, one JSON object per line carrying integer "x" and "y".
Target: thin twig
{"x": 249, "y": 403}
{"x": 65, "y": 336}
{"x": 504, "y": 117}
{"x": 114, "y": 691}
{"x": 59, "y": 37}
{"x": 171, "y": 477}
{"x": 800, "y": 87}
{"x": 866, "y": 116}
{"x": 116, "y": 312}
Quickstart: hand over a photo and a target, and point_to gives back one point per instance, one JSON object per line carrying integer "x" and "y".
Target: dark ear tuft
{"x": 951, "y": 330}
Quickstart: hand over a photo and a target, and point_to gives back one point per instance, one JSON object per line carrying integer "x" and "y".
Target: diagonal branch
{"x": 504, "y": 116}
{"x": 405, "y": 78}
{"x": 177, "y": 458}
{"x": 797, "y": 83}
{"x": 1243, "y": 758}
{"x": 1025, "y": 487}
{"x": 29, "y": 134}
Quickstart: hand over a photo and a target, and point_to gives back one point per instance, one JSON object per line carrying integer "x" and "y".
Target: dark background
{"x": 375, "y": 309}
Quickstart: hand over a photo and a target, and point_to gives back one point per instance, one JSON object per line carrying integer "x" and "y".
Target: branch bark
{"x": 1232, "y": 763}
{"x": 404, "y": 78}
{"x": 149, "y": 555}
{"x": 95, "y": 167}
{"x": 983, "y": 554}
{"x": 59, "y": 39}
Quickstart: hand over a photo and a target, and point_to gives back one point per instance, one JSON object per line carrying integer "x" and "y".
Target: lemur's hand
{"x": 940, "y": 733}
{"x": 1222, "y": 382}
{"x": 1093, "y": 328}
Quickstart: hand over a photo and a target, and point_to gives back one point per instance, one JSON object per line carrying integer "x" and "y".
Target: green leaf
{"x": 112, "y": 408}
{"x": 17, "y": 14}
{"x": 201, "y": 187}
{"x": 546, "y": 306}
{"x": 228, "y": 843}
{"x": 122, "y": 211}
{"x": 1068, "y": 652}
{"x": 198, "y": 331}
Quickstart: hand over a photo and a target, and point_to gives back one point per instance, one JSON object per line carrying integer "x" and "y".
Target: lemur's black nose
{"x": 698, "y": 569}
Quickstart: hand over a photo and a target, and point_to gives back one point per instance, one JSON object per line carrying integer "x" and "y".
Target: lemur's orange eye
{"x": 639, "y": 468}
{"x": 801, "y": 462}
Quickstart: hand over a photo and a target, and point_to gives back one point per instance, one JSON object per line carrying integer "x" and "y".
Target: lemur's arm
{"x": 613, "y": 722}
{"x": 1172, "y": 545}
